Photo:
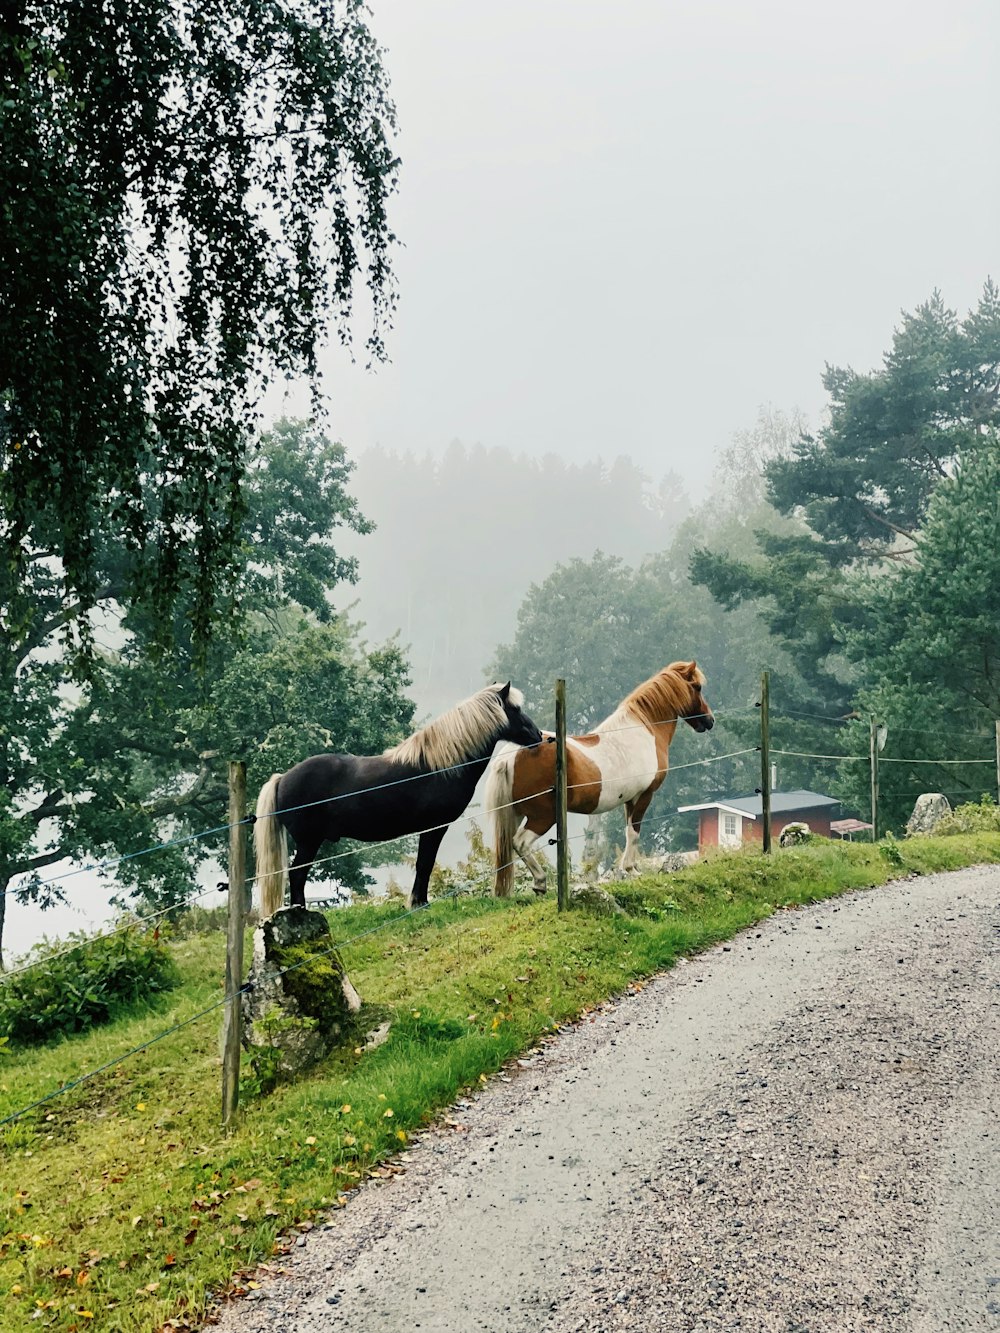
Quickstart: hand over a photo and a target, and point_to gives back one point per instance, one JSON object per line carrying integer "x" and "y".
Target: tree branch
{"x": 879, "y": 518}
{"x": 62, "y": 617}
{"x": 49, "y": 806}
{"x": 34, "y": 863}
{"x": 169, "y": 805}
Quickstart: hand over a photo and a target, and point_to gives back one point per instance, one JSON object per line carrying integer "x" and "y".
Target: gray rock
{"x": 928, "y": 812}
{"x": 596, "y": 898}
{"x": 794, "y": 834}
{"x": 675, "y": 861}
{"x": 300, "y": 1004}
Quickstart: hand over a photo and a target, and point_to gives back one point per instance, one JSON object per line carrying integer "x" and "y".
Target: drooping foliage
{"x": 188, "y": 194}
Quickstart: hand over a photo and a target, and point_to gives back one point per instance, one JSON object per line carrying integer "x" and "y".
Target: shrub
{"x": 975, "y": 817}
{"x": 66, "y": 992}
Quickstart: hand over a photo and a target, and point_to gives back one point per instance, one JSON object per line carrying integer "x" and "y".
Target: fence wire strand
{"x": 109, "y": 864}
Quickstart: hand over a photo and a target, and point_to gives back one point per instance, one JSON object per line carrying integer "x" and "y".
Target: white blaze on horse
{"x": 621, "y": 762}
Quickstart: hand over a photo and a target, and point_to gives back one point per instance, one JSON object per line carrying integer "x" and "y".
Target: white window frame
{"x": 730, "y": 836}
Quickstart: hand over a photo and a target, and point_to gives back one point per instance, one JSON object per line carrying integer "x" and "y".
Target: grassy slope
{"x": 124, "y": 1204}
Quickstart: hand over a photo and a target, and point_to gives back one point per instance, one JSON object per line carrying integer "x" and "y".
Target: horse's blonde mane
{"x": 666, "y": 695}
{"x": 457, "y": 734}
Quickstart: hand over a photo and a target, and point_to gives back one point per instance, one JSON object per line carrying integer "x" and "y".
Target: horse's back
{"x": 368, "y": 797}
{"x": 306, "y": 786}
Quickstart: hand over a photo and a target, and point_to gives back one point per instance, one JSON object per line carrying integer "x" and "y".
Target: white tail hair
{"x": 271, "y": 849}
{"x": 497, "y": 800}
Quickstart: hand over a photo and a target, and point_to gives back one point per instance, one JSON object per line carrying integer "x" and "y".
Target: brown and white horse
{"x": 621, "y": 762}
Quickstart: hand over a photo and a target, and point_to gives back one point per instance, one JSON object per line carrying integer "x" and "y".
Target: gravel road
{"x": 798, "y": 1132}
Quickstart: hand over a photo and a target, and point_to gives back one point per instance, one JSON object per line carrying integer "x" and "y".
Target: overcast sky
{"x": 627, "y": 226}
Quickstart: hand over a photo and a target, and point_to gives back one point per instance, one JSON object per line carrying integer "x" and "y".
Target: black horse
{"x": 423, "y": 784}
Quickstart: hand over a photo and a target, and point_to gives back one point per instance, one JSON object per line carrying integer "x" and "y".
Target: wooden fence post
{"x": 873, "y": 759}
{"x": 997, "y": 725}
{"x": 232, "y": 1013}
{"x": 562, "y": 846}
{"x": 765, "y": 757}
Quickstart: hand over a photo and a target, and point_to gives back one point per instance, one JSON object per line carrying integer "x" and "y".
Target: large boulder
{"x": 300, "y": 1004}
{"x": 671, "y": 861}
{"x": 928, "y": 812}
{"x": 596, "y": 899}
{"x": 794, "y": 834}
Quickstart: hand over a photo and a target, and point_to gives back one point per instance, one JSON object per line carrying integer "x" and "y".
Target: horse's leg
{"x": 305, "y": 855}
{"x": 524, "y": 842}
{"x": 427, "y": 850}
{"x": 634, "y": 811}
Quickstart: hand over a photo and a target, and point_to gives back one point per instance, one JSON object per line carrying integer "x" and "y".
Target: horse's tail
{"x": 498, "y": 799}
{"x": 271, "y": 849}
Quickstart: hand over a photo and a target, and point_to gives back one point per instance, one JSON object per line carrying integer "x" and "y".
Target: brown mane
{"x": 665, "y": 696}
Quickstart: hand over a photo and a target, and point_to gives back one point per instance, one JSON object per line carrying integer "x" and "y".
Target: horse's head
{"x": 520, "y": 729}
{"x": 696, "y": 712}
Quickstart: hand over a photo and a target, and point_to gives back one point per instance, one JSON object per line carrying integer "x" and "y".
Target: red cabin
{"x": 733, "y": 821}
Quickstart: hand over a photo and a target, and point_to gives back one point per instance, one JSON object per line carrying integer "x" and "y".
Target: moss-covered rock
{"x": 596, "y": 899}
{"x": 300, "y": 1004}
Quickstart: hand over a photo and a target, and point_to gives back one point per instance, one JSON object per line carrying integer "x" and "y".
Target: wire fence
{"x": 185, "y": 839}
{"x": 339, "y": 947}
{"x": 232, "y": 996}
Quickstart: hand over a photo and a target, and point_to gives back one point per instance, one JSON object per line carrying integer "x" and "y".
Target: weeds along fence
{"x": 239, "y": 879}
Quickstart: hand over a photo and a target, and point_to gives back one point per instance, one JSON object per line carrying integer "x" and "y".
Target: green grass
{"x": 124, "y": 1203}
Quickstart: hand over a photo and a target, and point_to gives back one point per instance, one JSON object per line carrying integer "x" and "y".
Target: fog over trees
{"x": 460, "y": 539}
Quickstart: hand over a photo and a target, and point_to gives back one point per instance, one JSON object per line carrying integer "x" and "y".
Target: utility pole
{"x": 232, "y": 1014}
{"x": 873, "y": 753}
{"x": 562, "y": 845}
{"x": 765, "y": 757}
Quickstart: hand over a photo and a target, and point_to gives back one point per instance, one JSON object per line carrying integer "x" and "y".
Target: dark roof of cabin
{"x": 782, "y": 802}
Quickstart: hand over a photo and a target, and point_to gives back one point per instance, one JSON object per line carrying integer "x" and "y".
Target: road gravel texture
{"x": 795, "y": 1132}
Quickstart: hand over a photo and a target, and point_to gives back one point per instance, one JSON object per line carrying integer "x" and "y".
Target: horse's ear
{"x": 503, "y": 691}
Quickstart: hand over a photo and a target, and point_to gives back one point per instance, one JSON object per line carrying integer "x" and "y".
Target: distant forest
{"x": 460, "y": 539}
